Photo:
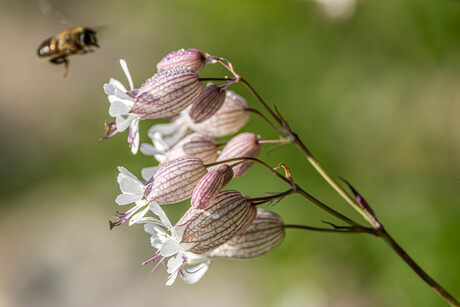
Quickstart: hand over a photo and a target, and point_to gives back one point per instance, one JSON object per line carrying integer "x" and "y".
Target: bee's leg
{"x": 60, "y": 60}
{"x": 66, "y": 67}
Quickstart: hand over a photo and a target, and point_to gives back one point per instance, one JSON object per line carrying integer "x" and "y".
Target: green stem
{"x": 332, "y": 182}
{"x": 417, "y": 269}
{"x": 263, "y": 117}
{"x": 326, "y": 208}
{"x": 261, "y": 101}
{"x": 340, "y": 230}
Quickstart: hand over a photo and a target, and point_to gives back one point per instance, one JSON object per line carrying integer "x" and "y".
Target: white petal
{"x": 109, "y": 89}
{"x": 193, "y": 273}
{"x": 131, "y": 186}
{"x": 177, "y": 136}
{"x": 160, "y": 158}
{"x": 149, "y": 220}
{"x": 159, "y": 143}
{"x": 154, "y": 230}
{"x": 150, "y": 150}
{"x": 123, "y": 122}
{"x": 148, "y": 172}
{"x": 124, "y": 66}
{"x": 124, "y": 172}
{"x": 156, "y": 209}
{"x": 175, "y": 263}
{"x": 136, "y": 218}
{"x": 124, "y": 199}
{"x": 170, "y": 248}
{"x": 163, "y": 129}
{"x": 117, "y": 84}
{"x": 133, "y": 136}
{"x": 118, "y": 108}
{"x": 172, "y": 278}
{"x": 124, "y": 97}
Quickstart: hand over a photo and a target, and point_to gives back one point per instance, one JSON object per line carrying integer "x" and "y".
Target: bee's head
{"x": 88, "y": 36}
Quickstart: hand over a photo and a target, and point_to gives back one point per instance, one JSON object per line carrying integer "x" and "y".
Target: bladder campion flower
{"x": 229, "y": 119}
{"x": 208, "y": 103}
{"x": 192, "y": 58}
{"x": 165, "y": 94}
{"x": 198, "y": 231}
{"x": 243, "y": 145}
{"x": 262, "y": 235}
{"x": 210, "y": 185}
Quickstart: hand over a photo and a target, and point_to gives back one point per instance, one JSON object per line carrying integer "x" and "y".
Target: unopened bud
{"x": 175, "y": 181}
{"x": 208, "y": 103}
{"x": 230, "y": 118}
{"x": 243, "y": 145}
{"x": 204, "y": 230}
{"x": 192, "y": 58}
{"x": 166, "y": 94}
{"x": 262, "y": 235}
{"x": 210, "y": 185}
{"x": 195, "y": 145}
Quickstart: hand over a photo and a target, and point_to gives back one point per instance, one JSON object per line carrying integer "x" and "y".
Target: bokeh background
{"x": 371, "y": 86}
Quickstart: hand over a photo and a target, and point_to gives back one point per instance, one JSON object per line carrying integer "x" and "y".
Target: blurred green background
{"x": 373, "y": 90}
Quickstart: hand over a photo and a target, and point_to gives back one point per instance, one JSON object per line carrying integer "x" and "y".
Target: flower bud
{"x": 243, "y": 145}
{"x": 208, "y": 103}
{"x": 210, "y": 185}
{"x": 166, "y": 94}
{"x": 175, "y": 181}
{"x": 262, "y": 235}
{"x": 230, "y": 118}
{"x": 195, "y": 145}
{"x": 192, "y": 58}
{"x": 204, "y": 230}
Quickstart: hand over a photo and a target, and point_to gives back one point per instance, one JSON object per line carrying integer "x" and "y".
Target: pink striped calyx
{"x": 195, "y": 145}
{"x": 205, "y": 230}
{"x": 165, "y": 94}
{"x": 243, "y": 145}
{"x": 192, "y": 58}
{"x": 175, "y": 181}
{"x": 229, "y": 119}
{"x": 262, "y": 235}
{"x": 208, "y": 103}
{"x": 209, "y": 186}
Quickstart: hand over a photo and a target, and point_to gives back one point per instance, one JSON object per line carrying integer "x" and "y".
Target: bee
{"x": 72, "y": 41}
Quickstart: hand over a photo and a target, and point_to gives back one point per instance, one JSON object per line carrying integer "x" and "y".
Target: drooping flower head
{"x": 208, "y": 103}
{"x": 209, "y": 186}
{"x": 198, "y": 232}
{"x": 172, "y": 183}
{"x": 262, "y": 235}
{"x": 192, "y": 58}
{"x": 229, "y": 119}
{"x": 194, "y": 145}
{"x": 165, "y": 94}
{"x": 243, "y": 145}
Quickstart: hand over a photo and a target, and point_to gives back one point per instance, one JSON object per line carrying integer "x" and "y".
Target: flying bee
{"x": 72, "y": 41}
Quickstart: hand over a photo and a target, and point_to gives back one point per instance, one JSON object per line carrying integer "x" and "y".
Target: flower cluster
{"x": 191, "y": 165}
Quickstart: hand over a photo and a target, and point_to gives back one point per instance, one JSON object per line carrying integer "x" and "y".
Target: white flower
{"x": 167, "y": 240}
{"x": 132, "y": 192}
{"x": 159, "y": 148}
{"x": 120, "y": 106}
{"x": 172, "y": 132}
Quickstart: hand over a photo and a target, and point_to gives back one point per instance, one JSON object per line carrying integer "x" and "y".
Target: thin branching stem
{"x": 378, "y": 229}
{"x": 261, "y": 101}
{"x": 255, "y": 111}
{"x": 339, "y": 230}
{"x": 296, "y": 188}
{"x": 417, "y": 269}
